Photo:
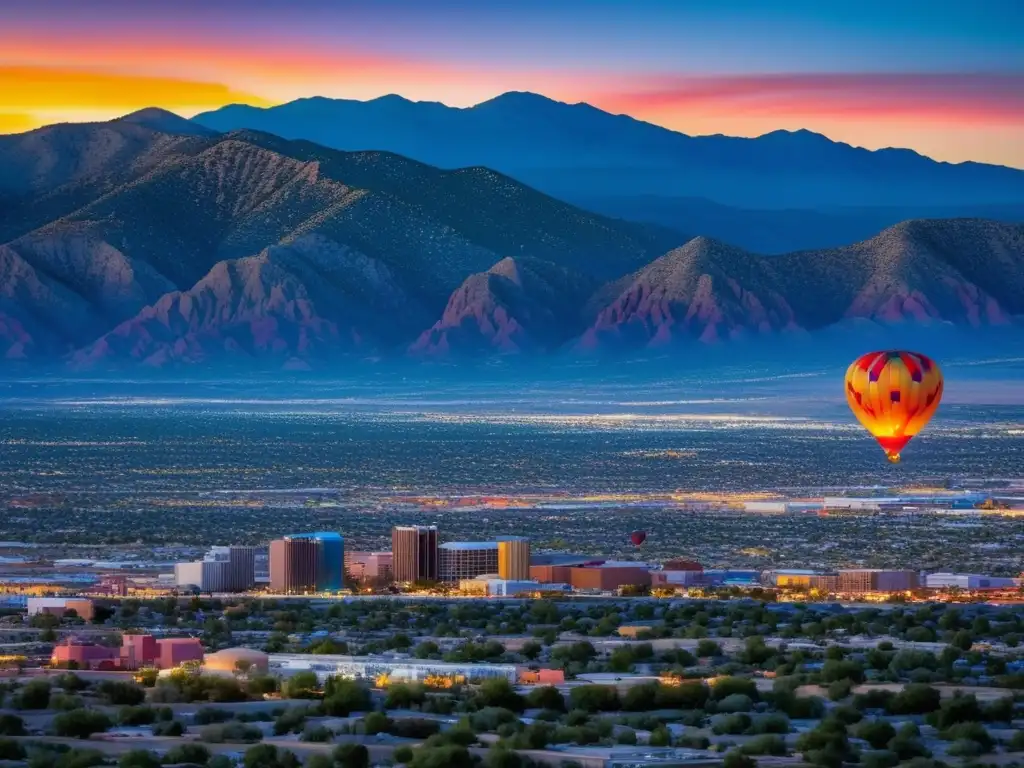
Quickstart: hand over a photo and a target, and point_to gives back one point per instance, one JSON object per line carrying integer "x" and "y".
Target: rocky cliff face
{"x": 517, "y": 306}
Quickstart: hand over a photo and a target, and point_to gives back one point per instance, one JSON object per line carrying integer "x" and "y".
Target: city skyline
{"x": 944, "y": 79}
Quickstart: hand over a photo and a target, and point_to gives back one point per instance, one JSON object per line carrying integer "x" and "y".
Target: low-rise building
{"x": 59, "y": 606}
{"x": 384, "y": 668}
{"x": 968, "y": 581}
{"x": 862, "y": 580}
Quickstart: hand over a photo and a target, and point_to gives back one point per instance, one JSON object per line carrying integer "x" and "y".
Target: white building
{"x": 968, "y": 581}
{"x": 395, "y": 669}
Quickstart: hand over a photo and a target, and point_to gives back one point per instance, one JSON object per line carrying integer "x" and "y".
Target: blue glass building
{"x": 330, "y": 562}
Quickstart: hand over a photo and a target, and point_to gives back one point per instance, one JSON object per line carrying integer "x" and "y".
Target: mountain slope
{"x": 52, "y": 171}
{"x": 185, "y": 227}
{"x": 578, "y": 152}
{"x": 961, "y": 272}
{"x": 309, "y": 299}
{"x": 518, "y": 305}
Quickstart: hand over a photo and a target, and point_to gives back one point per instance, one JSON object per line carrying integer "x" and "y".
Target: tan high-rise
{"x": 414, "y": 553}
{"x": 514, "y": 559}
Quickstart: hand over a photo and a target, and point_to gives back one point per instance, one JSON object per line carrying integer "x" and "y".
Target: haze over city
{"x": 450, "y": 384}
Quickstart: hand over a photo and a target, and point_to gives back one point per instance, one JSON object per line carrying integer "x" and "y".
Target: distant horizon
{"x": 946, "y": 81}
{"x": 190, "y": 114}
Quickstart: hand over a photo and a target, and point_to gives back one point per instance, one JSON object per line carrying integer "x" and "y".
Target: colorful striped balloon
{"x": 894, "y": 395}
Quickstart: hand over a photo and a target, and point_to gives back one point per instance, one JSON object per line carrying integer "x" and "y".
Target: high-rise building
{"x": 307, "y": 562}
{"x": 514, "y": 558}
{"x": 293, "y": 563}
{"x": 241, "y": 575}
{"x": 330, "y": 568}
{"x": 204, "y": 575}
{"x": 414, "y": 553}
{"x": 458, "y": 560}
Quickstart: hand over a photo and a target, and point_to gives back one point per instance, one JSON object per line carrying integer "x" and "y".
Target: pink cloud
{"x": 960, "y": 98}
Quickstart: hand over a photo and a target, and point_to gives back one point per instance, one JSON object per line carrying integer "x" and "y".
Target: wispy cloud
{"x": 959, "y": 97}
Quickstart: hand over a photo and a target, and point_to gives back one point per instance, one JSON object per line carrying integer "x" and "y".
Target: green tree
{"x": 35, "y": 695}
{"x": 736, "y": 759}
{"x": 546, "y": 697}
{"x": 962, "y": 640}
{"x": 352, "y": 756}
{"x": 196, "y": 754}
{"x": 11, "y": 750}
{"x": 877, "y": 733}
{"x": 138, "y": 758}
{"x": 302, "y": 685}
{"x": 11, "y": 725}
{"x": 80, "y": 723}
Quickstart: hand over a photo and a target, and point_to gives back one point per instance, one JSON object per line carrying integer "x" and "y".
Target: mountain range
{"x": 157, "y": 241}
{"x": 779, "y": 192}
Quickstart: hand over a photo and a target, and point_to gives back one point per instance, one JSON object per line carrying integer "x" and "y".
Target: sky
{"x": 944, "y": 78}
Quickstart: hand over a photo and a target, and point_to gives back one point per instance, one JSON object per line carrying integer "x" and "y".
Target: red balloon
{"x": 638, "y": 537}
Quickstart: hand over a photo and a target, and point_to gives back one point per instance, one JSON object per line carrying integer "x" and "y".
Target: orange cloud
{"x": 28, "y": 89}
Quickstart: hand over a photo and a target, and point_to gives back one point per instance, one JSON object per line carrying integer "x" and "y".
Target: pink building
{"x": 83, "y": 656}
{"x": 138, "y": 651}
{"x": 368, "y": 566}
{"x": 178, "y": 650}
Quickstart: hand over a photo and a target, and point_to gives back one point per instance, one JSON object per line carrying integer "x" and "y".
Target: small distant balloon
{"x": 638, "y": 537}
{"x": 894, "y": 394}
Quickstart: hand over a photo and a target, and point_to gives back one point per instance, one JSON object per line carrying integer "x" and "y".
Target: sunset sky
{"x": 944, "y": 78}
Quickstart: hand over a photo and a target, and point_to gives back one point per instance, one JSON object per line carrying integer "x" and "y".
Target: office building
{"x": 241, "y": 569}
{"x": 307, "y": 562}
{"x": 58, "y": 606}
{"x": 875, "y": 580}
{"x": 514, "y": 558}
{"x": 293, "y": 563}
{"x": 203, "y": 575}
{"x": 969, "y": 581}
{"x": 330, "y": 566}
{"x": 458, "y": 560}
{"x": 368, "y": 566}
{"x": 414, "y": 553}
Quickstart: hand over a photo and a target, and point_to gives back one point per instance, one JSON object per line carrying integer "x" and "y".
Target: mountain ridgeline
{"x": 780, "y": 192}
{"x": 156, "y": 241}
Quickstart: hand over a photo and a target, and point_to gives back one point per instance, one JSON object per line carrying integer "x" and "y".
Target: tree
{"x": 736, "y": 759}
{"x": 138, "y": 758}
{"x": 35, "y": 695}
{"x": 11, "y": 750}
{"x": 11, "y": 725}
{"x": 962, "y": 640}
{"x": 531, "y": 650}
{"x": 302, "y": 685}
{"x": 708, "y": 648}
{"x": 352, "y": 756}
{"x": 877, "y": 733}
{"x": 345, "y": 697}
{"x": 500, "y": 756}
{"x": 121, "y": 694}
{"x": 498, "y": 692}
{"x": 546, "y": 697}
{"x": 196, "y": 754}
{"x": 261, "y": 756}
{"x": 80, "y": 723}
{"x": 594, "y": 698}
{"x": 727, "y": 686}
{"x": 444, "y": 756}
{"x": 660, "y": 737}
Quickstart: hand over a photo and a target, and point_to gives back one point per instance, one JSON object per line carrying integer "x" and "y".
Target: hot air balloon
{"x": 894, "y": 395}
{"x": 638, "y": 537}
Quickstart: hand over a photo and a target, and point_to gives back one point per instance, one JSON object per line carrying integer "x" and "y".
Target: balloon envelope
{"x": 894, "y": 394}
{"x": 638, "y": 537}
